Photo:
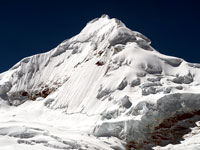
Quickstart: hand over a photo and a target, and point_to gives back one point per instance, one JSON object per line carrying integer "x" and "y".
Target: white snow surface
{"x": 105, "y": 88}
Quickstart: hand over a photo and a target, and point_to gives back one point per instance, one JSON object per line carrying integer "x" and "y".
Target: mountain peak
{"x": 103, "y": 21}
{"x": 112, "y": 31}
{"x": 105, "y": 16}
{"x": 106, "y": 81}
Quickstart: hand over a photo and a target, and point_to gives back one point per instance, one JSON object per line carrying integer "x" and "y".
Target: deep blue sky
{"x": 28, "y": 28}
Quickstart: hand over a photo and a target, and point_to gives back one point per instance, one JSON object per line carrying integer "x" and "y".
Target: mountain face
{"x": 105, "y": 88}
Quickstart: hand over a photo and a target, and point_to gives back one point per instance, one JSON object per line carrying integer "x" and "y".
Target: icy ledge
{"x": 160, "y": 123}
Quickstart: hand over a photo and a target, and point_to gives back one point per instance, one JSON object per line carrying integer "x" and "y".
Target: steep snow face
{"x": 107, "y": 81}
{"x": 54, "y": 68}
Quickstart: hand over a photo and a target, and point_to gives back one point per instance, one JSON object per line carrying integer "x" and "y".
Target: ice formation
{"x": 105, "y": 88}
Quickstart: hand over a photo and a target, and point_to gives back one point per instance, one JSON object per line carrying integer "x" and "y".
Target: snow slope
{"x": 105, "y": 88}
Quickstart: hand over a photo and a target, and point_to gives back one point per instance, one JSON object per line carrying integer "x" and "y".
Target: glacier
{"x": 105, "y": 88}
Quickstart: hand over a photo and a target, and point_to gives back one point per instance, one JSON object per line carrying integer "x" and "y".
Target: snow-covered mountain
{"x": 105, "y": 88}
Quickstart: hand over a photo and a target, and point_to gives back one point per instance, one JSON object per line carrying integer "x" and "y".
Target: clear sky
{"x": 31, "y": 27}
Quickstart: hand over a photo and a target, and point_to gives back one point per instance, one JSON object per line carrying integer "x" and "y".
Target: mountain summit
{"x": 105, "y": 88}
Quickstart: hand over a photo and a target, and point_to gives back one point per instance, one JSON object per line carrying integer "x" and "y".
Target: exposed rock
{"x": 154, "y": 79}
{"x": 179, "y": 87}
{"x": 99, "y": 63}
{"x": 183, "y": 79}
{"x": 149, "y": 90}
{"x": 123, "y": 84}
{"x": 135, "y": 82}
{"x": 167, "y": 90}
{"x": 103, "y": 92}
{"x": 125, "y": 102}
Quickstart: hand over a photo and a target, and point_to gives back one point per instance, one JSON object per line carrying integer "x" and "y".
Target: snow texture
{"x": 105, "y": 88}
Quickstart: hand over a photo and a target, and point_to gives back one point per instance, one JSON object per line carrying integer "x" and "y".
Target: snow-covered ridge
{"x": 33, "y": 73}
{"x": 111, "y": 77}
